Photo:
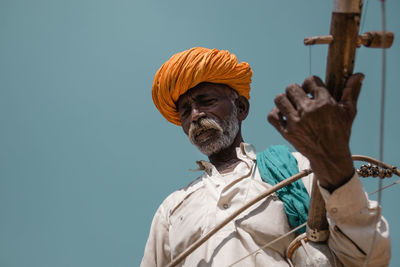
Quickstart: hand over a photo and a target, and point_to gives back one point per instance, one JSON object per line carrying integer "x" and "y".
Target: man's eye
{"x": 184, "y": 112}
{"x": 208, "y": 102}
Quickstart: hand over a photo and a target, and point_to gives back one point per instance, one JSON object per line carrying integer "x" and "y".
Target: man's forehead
{"x": 207, "y": 89}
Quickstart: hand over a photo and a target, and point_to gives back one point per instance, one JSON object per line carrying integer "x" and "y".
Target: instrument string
{"x": 385, "y": 187}
{"x": 364, "y": 16}
{"x": 382, "y": 123}
{"x": 309, "y": 60}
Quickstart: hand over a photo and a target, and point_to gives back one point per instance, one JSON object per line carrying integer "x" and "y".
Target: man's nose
{"x": 197, "y": 114}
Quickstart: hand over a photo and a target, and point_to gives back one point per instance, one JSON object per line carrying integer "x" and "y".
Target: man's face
{"x": 208, "y": 116}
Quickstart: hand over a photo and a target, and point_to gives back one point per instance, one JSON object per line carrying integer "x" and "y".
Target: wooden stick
{"x": 324, "y": 39}
{"x": 342, "y": 51}
{"x": 317, "y": 224}
{"x": 345, "y": 22}
{"x": 379, "y": 163}
{"x": 367, "y": 39}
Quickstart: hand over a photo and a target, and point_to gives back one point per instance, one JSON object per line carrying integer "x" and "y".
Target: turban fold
{"x": 187, "y": 69}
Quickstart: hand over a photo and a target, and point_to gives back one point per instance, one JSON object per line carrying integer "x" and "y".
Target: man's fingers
{"x": 315, "y": 86}
{"x": 276, "y": 119}
{"x": 297, "y": 96}
{"x": 285, "y": 106}
{"x": 352, "y": 88}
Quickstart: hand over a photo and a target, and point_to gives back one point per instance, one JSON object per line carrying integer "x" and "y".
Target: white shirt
{"x": 187, "y": 214}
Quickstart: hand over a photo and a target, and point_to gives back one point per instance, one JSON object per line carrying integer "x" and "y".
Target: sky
{"x": 85, "y": 157}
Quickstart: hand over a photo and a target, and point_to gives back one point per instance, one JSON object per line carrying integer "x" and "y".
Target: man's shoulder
{"x": 302, "y": 161}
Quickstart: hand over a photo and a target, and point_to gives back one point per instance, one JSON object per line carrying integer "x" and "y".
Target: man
{"x": 206, "y": 92}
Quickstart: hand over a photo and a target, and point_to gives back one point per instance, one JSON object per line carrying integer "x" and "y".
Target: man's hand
{"x": 319, "y": 127}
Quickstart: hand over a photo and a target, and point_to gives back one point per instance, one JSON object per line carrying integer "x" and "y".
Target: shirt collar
{"x": 245, "y": 152}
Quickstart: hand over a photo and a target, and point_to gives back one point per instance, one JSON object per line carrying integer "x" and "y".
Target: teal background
{"x": 86, "y": 159}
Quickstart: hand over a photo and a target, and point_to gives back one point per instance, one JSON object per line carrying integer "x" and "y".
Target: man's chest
{"x": 201, "y": 210}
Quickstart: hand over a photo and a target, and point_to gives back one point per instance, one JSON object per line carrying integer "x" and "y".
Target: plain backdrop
{"x": 86, "y": 159}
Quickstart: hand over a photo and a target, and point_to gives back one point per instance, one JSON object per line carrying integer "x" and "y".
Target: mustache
{"x": 203, "y": 124}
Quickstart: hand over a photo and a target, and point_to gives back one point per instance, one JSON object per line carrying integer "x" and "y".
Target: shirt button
{"x": 334, "y": 210}
{"x": 225, "y": 206}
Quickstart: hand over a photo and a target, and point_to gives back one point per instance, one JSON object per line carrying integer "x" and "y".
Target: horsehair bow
{"x": 380, "y": 169}
{"x": 343, "y": 41}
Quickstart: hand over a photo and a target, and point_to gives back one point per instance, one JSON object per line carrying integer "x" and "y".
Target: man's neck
{"x": 226, "y": 159}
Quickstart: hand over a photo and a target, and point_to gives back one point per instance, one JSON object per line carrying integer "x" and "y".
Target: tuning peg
{"x": 375, "y": 39}
{"x": 367, "y": 39}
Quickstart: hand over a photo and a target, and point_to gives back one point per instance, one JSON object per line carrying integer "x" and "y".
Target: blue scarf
{"x": 276, "y": 164}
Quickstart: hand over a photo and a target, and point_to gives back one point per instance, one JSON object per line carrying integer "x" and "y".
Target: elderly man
{"x": 206, "y": 91}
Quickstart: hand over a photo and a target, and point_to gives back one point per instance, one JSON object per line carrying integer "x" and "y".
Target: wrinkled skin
{"x": 209, "y": 100}
{"x": 319, "y": 127}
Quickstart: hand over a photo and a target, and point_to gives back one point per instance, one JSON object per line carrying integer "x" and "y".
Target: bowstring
{"x": 269, "y": 243}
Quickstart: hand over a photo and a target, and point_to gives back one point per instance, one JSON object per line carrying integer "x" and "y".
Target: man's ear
{"x": 242, "y": 107}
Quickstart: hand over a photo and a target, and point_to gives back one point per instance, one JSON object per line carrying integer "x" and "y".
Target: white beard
{"x": 223, "y": 137}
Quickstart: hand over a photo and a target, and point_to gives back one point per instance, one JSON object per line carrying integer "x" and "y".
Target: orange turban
{"x": 187, "y": 69}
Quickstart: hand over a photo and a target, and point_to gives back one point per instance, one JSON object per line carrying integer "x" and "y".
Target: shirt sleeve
{"x": 157, "y": 252}
{"x": 354, "y": 221}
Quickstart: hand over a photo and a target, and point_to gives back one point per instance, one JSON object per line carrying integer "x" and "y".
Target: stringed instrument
{"x": 343, "y": 40}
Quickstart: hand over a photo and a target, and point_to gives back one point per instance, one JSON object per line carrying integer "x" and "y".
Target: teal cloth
{"x": 276, "y": 164}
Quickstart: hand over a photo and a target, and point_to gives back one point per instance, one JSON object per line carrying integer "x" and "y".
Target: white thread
{"x": 268, "y": 244}
{"x": 308, "y": 252}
